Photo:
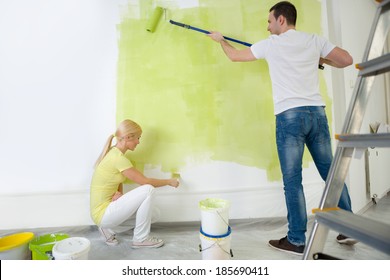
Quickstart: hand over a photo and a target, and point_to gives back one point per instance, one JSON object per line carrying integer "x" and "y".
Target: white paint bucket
{"x": 73, "y": 248}
{"x": 215, "y": 247}
{"x": 214, "y": 216}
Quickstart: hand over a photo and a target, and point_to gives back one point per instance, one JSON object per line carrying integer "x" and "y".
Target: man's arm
{"x": 338, "y": 58}
{"x": 231, "y": 52}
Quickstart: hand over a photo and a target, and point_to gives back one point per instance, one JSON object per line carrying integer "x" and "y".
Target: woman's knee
{"x": 148, "y": 188}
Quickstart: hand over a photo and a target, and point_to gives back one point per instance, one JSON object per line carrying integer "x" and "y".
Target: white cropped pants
{"x": 133, "y": 209}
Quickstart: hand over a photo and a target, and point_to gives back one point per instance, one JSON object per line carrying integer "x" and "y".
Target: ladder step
{"x": 364, "y": 140}
{"x": 368, "y": 231}
{"x": 375, "y": 66}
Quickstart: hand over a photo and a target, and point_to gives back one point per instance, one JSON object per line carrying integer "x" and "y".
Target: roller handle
{"x": 321, "y": 67}
{"x": 208, "y": 32}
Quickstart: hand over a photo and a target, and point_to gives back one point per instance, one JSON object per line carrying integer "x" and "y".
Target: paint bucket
{"x": 15, "y": 246}
{"x": 214, "y": 216}
{"x": 42, "y": 246}
{"x": 73, "y": 248}
{"x": 215, "y": 247}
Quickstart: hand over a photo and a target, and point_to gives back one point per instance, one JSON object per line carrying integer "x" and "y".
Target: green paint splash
{"x": 191, "y": 101}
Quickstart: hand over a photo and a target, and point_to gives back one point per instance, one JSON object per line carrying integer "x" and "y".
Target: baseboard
{"x": 48, "y": 210}
{"x": 44, "y": 210}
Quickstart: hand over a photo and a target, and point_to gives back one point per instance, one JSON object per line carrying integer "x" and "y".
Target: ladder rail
{"x": 374, "y": 49}
{"x": 376, "y": 41}
{"x": 340, "y": 165}
{"x": 357, "y": 108}
{"x": 316, "y": 241}
{"x": 336, "y": 178}
{"x": 379, "y": 29}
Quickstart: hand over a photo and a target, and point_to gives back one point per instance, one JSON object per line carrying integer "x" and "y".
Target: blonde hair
{"x": 126, "y": 128}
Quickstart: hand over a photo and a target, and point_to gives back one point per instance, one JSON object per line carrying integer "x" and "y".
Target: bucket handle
{"x": 50, "y": 255}
{"x": 200, "y": 249}
{"x": 222, "y": 218}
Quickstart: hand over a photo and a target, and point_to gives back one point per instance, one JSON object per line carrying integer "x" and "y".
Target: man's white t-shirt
{"x": 293, "y": 58}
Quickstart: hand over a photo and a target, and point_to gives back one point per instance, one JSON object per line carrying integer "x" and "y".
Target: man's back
{"x": 293, "y": 59}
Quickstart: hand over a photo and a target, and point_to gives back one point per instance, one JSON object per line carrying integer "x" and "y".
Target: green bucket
{"x": 41, "y": 246}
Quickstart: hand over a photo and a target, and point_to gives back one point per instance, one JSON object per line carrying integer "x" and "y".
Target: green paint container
{"x": 41, "y": 246}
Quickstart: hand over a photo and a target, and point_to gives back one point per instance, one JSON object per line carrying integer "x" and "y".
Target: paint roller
{"x": 155, "y": 18}
{"x": 157, "y": 13}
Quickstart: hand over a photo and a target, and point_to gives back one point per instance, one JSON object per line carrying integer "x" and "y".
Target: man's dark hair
{"x": 287, "y": 10}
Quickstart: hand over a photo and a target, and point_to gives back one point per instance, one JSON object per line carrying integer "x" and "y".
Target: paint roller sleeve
{"x": 153, "y": 21}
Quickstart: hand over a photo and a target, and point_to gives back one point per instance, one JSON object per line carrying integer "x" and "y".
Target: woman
{"x": 110, "y": 207}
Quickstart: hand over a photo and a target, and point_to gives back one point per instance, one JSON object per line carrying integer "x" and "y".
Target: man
{"x": 293, "y": 58}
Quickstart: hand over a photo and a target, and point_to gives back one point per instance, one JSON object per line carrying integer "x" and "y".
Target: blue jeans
{"x": 295, "y": 128}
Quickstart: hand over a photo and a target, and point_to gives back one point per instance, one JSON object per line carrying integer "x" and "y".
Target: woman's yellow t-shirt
{"x": 105, "y": 181}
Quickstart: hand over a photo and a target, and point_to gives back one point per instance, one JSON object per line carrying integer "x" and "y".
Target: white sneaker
{"x": 108, "y": 236}
{"x": 150, "y": 242}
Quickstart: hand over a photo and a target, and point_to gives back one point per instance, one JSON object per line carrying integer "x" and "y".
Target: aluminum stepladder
{"x": 328, "y": 216}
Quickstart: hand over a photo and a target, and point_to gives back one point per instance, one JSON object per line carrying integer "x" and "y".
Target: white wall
{"x": 57, "y": 106}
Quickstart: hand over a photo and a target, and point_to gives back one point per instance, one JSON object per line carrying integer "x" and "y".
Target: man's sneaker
{"x": 342, "y": 239}
{"x": 108, "y": 236}
{"x": 151, "y": 242}
{"x": 285, "y": 246}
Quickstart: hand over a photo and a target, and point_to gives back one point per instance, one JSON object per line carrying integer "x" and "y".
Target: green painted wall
{"x": 191, "y": 101}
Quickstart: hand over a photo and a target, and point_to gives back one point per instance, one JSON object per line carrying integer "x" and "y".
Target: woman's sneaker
{"x": 150, "y": 242}
{"x": 108, "y": 236}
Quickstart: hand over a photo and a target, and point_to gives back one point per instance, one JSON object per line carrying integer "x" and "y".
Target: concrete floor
{"x": 249, "y": 240}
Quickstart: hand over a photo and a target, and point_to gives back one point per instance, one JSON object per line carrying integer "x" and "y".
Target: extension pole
{"x": 321, "y": 67}
{"x": 208, "y": 32}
